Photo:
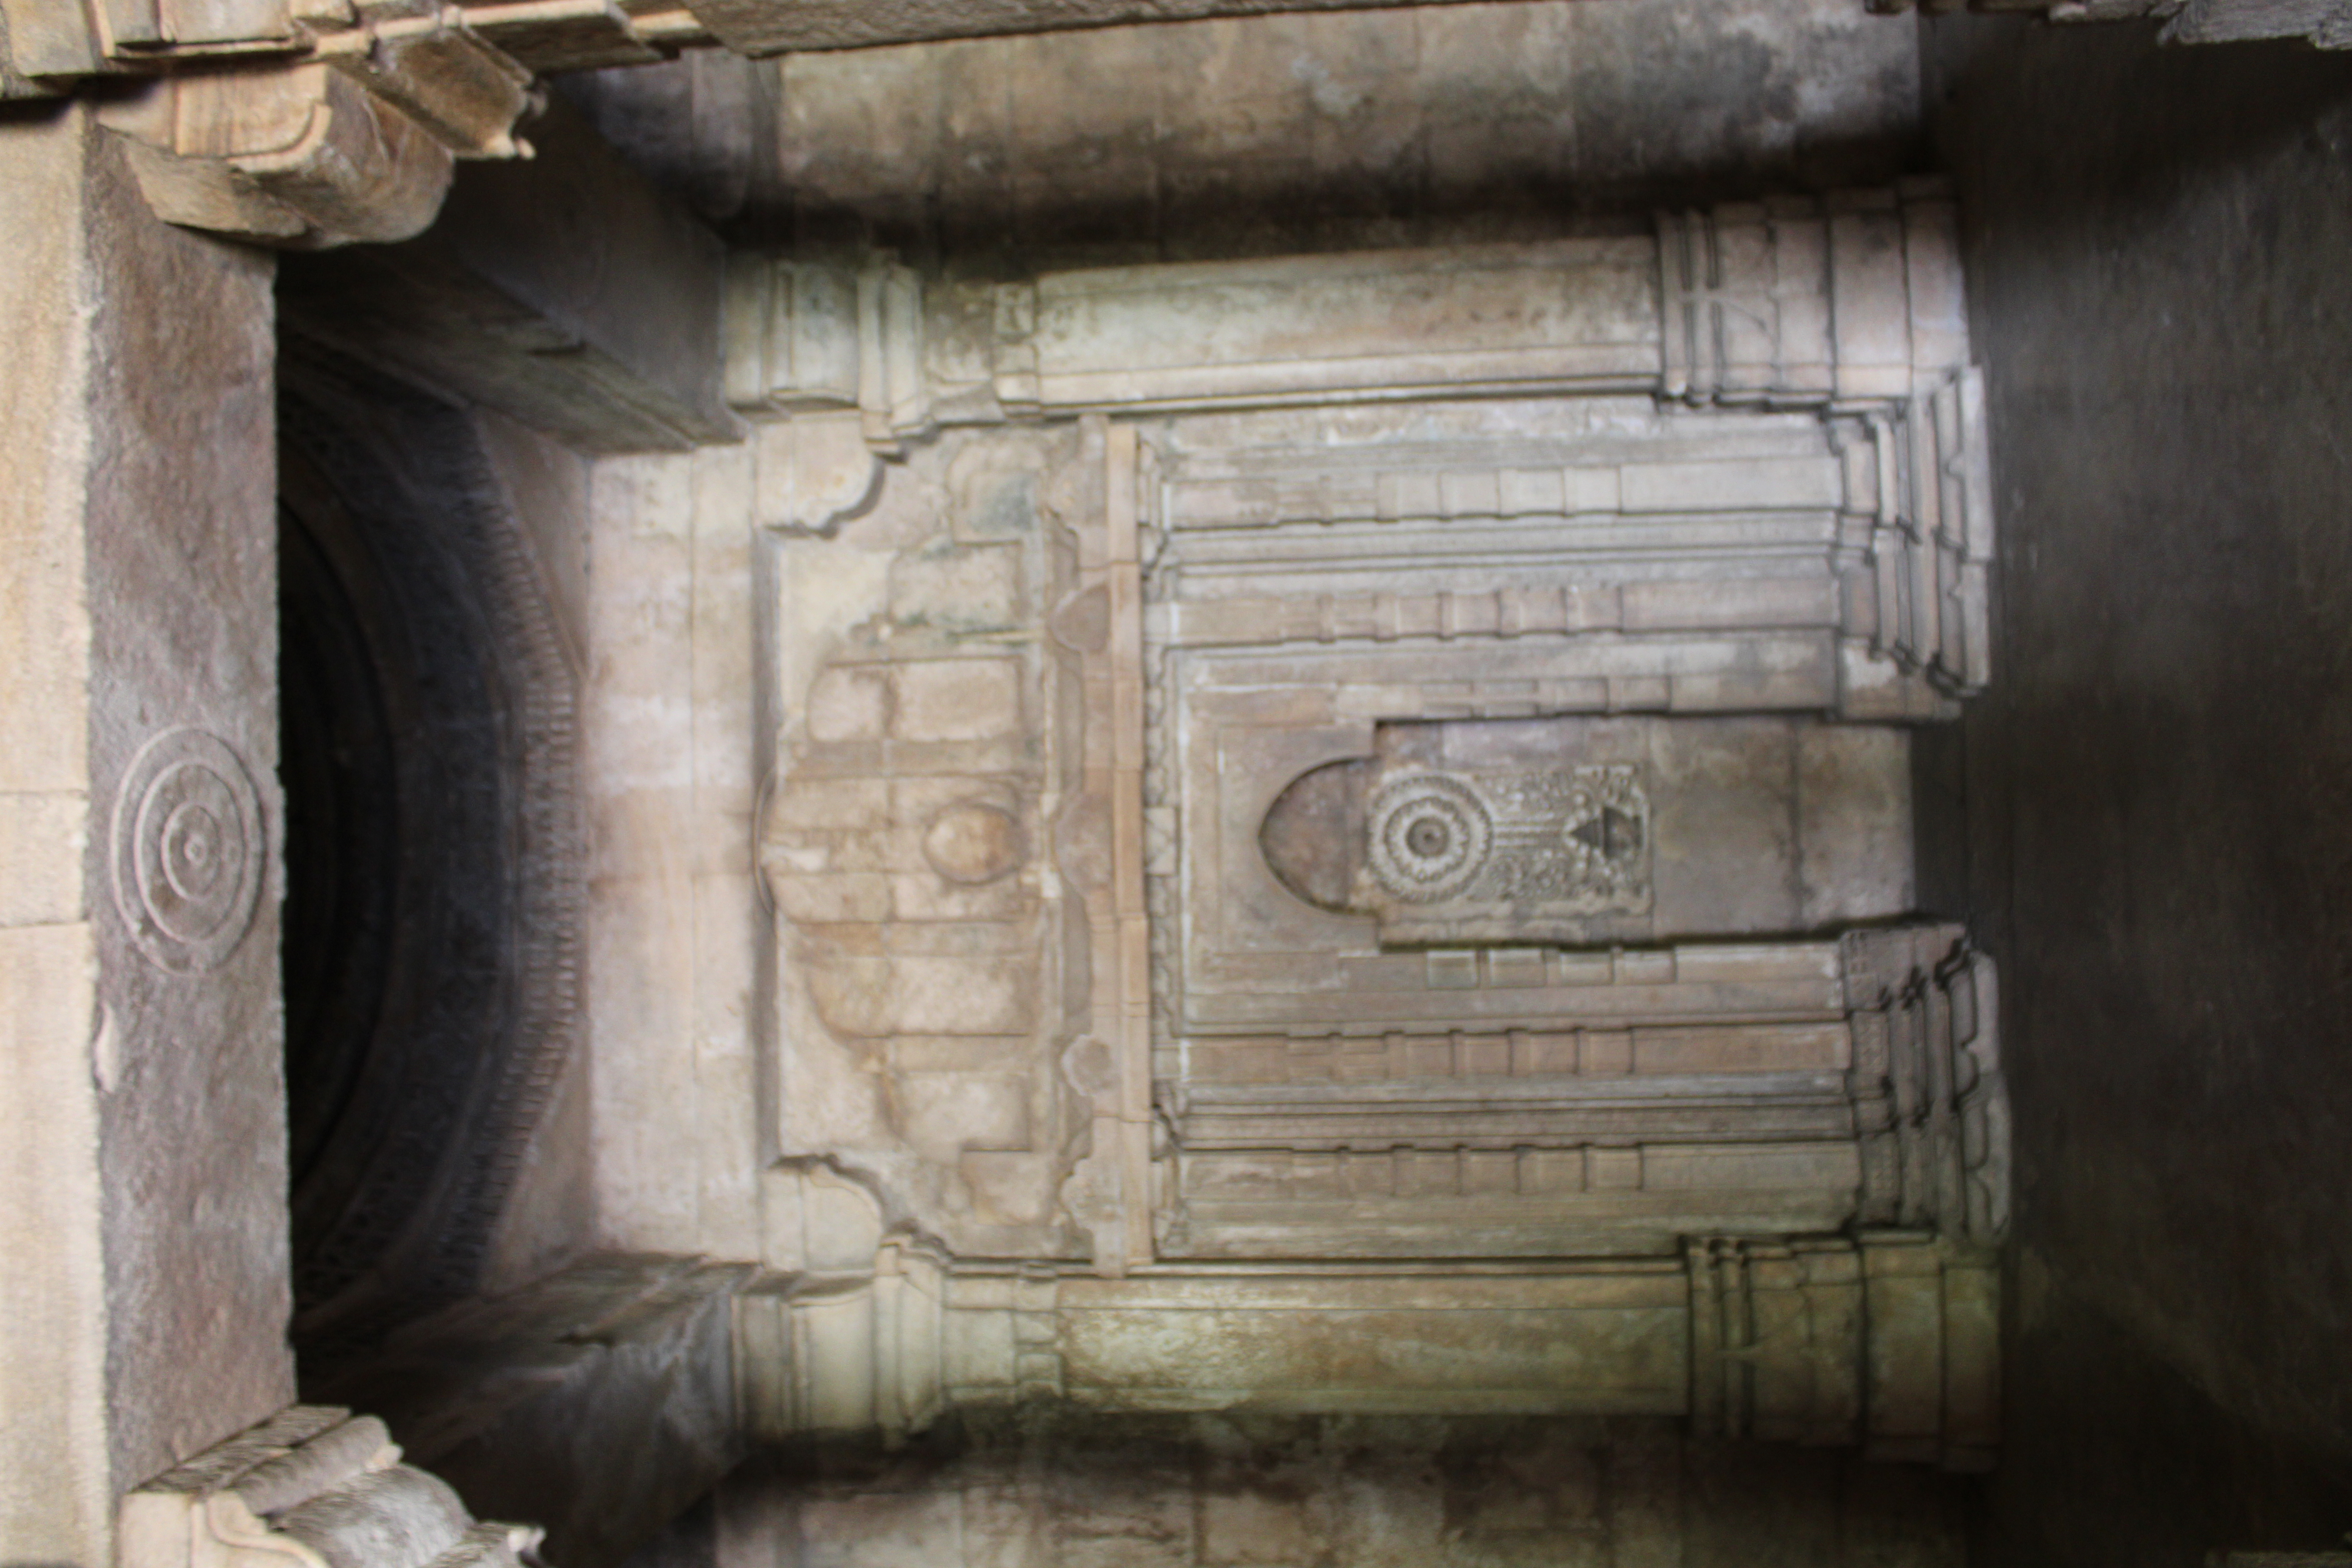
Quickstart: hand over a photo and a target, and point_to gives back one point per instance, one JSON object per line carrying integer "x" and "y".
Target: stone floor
{"x": 2157, "y": 844}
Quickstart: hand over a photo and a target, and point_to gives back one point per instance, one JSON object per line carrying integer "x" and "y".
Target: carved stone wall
{"x": 1367, "y": 870}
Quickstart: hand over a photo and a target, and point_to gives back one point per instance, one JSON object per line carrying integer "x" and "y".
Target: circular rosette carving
{"x": 1430, "y": 836}
{"x": 187, "y": 850}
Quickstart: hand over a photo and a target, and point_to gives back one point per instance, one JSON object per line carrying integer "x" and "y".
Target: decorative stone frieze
{"x": 313, "y": 1486}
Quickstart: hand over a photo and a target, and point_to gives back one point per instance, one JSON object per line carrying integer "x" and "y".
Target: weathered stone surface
{"x": 150, "y": 1286}
{"x": 674, "y": 918}
{"x": 2327, "y": 24}
{"x": 147, "y": 1266}
{"x": 2180, "y": 1375}
{"x": 1356, "y": 129}
{"x": 1351, "y": 1492}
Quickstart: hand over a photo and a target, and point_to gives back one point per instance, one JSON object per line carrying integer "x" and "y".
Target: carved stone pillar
{"x": 139, "y": 824}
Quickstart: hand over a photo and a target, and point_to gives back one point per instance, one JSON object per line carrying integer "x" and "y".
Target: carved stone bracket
{"x": 312, "y": 1487}
{"x": 307, "y": 123}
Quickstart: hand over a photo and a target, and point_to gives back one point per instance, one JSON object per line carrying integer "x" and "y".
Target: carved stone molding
{"x": 1890, "y": 1341}
{"x": 1886, "y": 1340}
{"x": 1848, "y": 308}
{"x": 1851, "y": 301}
{"x": 312, "y": 1487}
{"x": 1931, "y": 1102}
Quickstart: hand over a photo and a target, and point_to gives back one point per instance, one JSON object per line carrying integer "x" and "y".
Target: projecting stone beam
{"x": 566, "y": 292}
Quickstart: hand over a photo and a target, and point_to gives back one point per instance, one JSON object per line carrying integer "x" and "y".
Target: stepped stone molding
{"x": 1849, "y": 306}
{"x": 1892, "y": 1344}
{"x": 1606, "y": 1130}
{"x": 1931, "y": 1102}
{"x": 312, "y": 1487}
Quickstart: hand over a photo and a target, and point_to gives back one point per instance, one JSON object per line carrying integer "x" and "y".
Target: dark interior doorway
{"x": 432, "y": 846}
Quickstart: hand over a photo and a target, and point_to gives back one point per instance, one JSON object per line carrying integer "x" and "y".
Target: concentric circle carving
{"x": 187, "y": 850}
{"x": 1431, "y": 835}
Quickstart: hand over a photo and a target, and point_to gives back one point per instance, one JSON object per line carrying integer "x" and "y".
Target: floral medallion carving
{"x": 1431, "y": 836}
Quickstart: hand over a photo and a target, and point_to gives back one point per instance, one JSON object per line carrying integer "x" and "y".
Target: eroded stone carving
{"x": 315, "y": 122}
{"x": 313, "y": 1486}
{"x": 189, "y": 852}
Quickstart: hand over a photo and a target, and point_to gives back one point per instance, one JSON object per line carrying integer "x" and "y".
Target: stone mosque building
{"x": 1191, "y": 784}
